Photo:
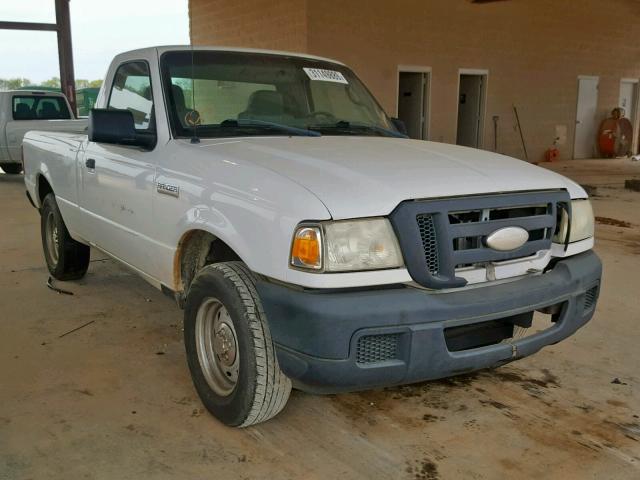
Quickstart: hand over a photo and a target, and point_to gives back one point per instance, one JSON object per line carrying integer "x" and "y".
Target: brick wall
{"x": 534, "y": 51}
{"x": 270, "y": 24}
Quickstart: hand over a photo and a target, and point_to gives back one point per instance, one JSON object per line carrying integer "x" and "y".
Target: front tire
{"x": 66, "y": 258}
{"x": 11, "y": 168}
{"x": 229, "y": 349}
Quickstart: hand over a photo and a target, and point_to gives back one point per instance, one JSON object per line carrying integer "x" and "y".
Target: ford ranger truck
{"x": 24, "y": 110}
{"x": 310, "y": 243}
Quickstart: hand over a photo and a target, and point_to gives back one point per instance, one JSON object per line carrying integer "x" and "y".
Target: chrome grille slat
{"x": 485, "y": 228}
{"x": 479, "y": 255}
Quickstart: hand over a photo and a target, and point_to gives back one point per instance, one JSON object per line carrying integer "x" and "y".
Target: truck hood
{"x": 369, "y": 176}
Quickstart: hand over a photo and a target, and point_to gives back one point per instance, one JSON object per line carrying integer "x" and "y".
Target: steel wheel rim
{"x": 52, "y": 238}
{"x": 217, "y": 346}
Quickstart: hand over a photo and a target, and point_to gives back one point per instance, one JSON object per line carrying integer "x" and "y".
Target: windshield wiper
{"x": 358, "y": 127}
{"x": 232, "y": 122}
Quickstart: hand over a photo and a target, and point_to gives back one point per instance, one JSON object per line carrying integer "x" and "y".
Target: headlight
{"x": 345, "y": 246}
{"x": 361, "y": 245}
{"x": 582, "y": 223}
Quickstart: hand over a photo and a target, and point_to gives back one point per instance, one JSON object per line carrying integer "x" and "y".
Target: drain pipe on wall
{"x": 495, "y": 133}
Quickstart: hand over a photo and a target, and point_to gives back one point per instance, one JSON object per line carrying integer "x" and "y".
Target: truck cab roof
{"x": 160, "y": 49}
{"x": 34, "y": 92}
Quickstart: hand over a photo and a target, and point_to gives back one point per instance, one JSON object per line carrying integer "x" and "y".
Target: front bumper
{"x": 317, "y": 333}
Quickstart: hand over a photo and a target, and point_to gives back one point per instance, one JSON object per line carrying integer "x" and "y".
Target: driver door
{"x": 117, "y": 181}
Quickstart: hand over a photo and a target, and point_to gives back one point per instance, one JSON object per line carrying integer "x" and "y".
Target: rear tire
{"x": 229, "y": 349}
{"x": 66, "y": 258}
{"x": 11, "y": 168}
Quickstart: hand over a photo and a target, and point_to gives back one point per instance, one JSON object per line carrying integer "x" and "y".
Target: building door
{"x": 629, "y": 102}
{"x": 470, "y": 108}
{"x": 586, "y": 121}
{"x": 413, "y": 103}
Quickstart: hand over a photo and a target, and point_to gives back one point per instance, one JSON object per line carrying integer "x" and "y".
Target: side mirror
{"x": 400, "y": 126}
{"x": 117, "y": 127}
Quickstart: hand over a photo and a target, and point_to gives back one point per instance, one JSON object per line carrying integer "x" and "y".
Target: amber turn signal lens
{"x": 307, "y": 248}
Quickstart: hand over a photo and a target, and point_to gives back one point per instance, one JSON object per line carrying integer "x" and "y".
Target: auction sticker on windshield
{"x": 325, "y": 75}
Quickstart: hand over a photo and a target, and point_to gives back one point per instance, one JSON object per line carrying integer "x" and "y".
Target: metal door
{"x": 629, "y": 102}
{"x": 586, "y": 121}
{"x": 470, "y": 110}
{"x": 412, "y": 98}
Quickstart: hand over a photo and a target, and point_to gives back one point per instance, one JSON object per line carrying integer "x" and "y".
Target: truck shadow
{"x": 6, "y": 178}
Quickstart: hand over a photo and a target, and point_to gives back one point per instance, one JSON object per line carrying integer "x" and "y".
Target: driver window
{"x": 131, "y": 91}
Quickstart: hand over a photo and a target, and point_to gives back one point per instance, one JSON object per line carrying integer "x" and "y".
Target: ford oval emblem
{"x": 507, "y": 239}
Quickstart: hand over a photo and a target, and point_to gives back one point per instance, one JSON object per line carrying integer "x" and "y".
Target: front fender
{"x": 261, "y": 239}
{"x": 252, "y": 209}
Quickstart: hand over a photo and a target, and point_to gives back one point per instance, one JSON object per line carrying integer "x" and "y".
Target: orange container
{"x": 552, "y": 154}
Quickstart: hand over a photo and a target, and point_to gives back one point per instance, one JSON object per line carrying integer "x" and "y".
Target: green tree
{"x": 53, "y": 82}
{"x": 13, "y": 83}
{"x": 81, "y": 83}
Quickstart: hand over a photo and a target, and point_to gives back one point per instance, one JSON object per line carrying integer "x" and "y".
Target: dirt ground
{"x": 114, "y": 398}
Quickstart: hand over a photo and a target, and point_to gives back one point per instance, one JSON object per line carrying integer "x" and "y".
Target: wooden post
{"x": 65, "y": 52}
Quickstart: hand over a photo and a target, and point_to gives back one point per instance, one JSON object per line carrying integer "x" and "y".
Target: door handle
{"x": 90, "y": 163}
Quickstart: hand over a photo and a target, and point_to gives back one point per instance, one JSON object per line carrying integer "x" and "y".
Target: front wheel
{"x": 229, "y": 349}
{"x": 66, "y": 258}
{"x": 11, "y": 168}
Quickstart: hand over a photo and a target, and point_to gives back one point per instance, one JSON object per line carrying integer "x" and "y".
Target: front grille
{"x": 590, "y": 298}
{"x": 429, "y": 242}
{"x": 472, "y": 242}
{"x": 439, "y": 236}
{"x": 377, "y": 348}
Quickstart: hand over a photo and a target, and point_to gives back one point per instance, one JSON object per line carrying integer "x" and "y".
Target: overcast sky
{"x": 100, "y": 29}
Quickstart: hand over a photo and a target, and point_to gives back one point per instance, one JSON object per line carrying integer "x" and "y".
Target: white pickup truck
{"x": 24, "y": 110}
{"x": 308, "y": 240}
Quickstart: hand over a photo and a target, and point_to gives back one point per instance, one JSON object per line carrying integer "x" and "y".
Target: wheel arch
{"x": 43, "y": 188}
{"x": 196, "y": 248}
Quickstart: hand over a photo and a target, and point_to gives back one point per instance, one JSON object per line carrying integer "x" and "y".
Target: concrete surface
{"x": 114, "y": 399}
{"x": 598, "y": 172}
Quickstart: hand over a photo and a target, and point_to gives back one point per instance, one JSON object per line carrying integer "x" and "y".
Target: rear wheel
{"x": 11, "y": 168}
{"x": 66, "y": 258}
{"x": 229, "y": 349}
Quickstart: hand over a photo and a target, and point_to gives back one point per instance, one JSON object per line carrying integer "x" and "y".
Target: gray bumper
{"x": 317, "y": 332}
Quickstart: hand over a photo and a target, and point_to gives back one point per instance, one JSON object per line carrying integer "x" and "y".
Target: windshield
{"x": 239, "y": 94}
